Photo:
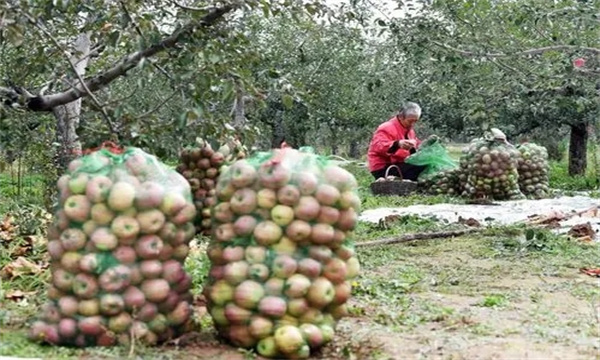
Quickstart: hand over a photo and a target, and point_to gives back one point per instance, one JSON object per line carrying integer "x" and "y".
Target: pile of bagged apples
{"x": 117, "y": 247}
{"x": 281, "y": 252}
{"x": 201, "y": 166}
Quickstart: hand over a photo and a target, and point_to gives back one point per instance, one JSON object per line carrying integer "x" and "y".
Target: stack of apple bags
{"x": 117, "y": 247}
{"x": 281, "y": 252}
{"x": 201, "y": 166}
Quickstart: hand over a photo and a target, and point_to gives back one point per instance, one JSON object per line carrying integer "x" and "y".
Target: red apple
{"x": 297, "y": 286}
{"x": 284, "y": 266}
{"x": 349, "y": 199}
{"x": 297, "y": 307}
{"x": 180, "y": 315}
{"x": 288, "y": 195}
{"x": 236, "y": 272}
{"x": 73, "y": 239}
{"x": 147, "y": 312}
{"x": 273, "y": 175}
{"x": 120, "y": 323}
{"x": 217, "y": 272}
{"x": 233, "y": 253}
{"x": 61, "y": 220}
{"x": 321, "y": 293}
{"x": 220, "y": 293}
{"x": 149, "y": 195}
{"x": 91, "y": 325}
{"x": 151, "y": 269}
{"x": 55, "y": 249}
{"x": 309, "y": 267}
{"x": 298, "y": 230}
{"x": 260, "y": 327}
{"x": 67, "y": 328}
{"x": 173, "y": 271}
{"x": 50, "y": 313}
{"x": 243, "y": 201}
{"x": 340, "y": 178}
{"x": 322, "y": 233}
{"x": 70, "y": 261}
{"x": 155, "y": 290}
{"x": 348, "y": 220}
{"x": 68, "y": 306}
{"x": 103, "y": 239}
{"x": 244, "y": 225}
{"x": 125, "y": 227}
{"x": 186, "y": 214}
{"x": 259, "y": 272}
{"x": 342, "y": 293}
{"x": 307, "y": 209}
{"x": 97, "y": 188}
{"x": 111, "y": 304}
{"x": 306, "y": 182}
{"x": 242, "y": 174}
{"x": 121, "y": 196}
{"x": 320, "y": 253}
{"x": 267, "y": 233}
{"x": 172, "y": 203}
{"x": 288, "y": 339}
{"x": 134, "y": 298}
{"x": 223, "y": 213}
{"x": 181, "y": 252}
{"x": 88, "y": 227}
{"x": 125, "y": 255}
{"x": 272, "y": 306}
{"x": 328, "y": 215}
{"x": 327, "y": 194}
{"x": 224, "y": 232}
{"x": 274, "y": 286}
{"x": 255, "y": 254}
{"x": 101, "y": 214}
{"x": 115, "y": 278}
{"x": 170, "y": 302}
{"x": 335, "y": 270}
{"x": 248, "y": 294}
{"x": 313, "y": 335}
{"x": 236, "y": 314}
{"x": 53, "y": 293}
{"x": 149, "y": 246}
{"x": 77, "y": 208}
{"x": 345, "y": 252}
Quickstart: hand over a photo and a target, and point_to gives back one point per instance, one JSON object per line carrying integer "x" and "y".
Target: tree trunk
{"x": 578, "y": 149}
{"x": 67, "y": 116}
{"x": 239, "y": 114}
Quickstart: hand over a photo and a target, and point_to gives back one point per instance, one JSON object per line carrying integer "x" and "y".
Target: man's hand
{"x": 407, "y": 144}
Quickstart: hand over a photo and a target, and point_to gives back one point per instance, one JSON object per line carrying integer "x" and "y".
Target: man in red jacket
{"x": 393, "y": 142}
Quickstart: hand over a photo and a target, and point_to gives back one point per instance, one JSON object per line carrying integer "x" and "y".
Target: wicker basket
{"x": 395, "y": 187}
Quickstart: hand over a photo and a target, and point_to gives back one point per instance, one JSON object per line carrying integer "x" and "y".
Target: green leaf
{"x": 529, "y": 234}
{"x": 287, "y": 100}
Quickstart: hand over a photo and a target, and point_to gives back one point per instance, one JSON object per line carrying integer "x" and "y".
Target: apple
{"x": 97, "y": 188}
{"x": 260, "y": 327}
{"x": 53, "y": 293}
{"x": 151, "y": 269}
{"x": 91, "y": 325}
{"x": 55, "y": 249}
{"x": 50, "y": 313}
{"x": 68, "y": 306}
{"x": 101, "y": 214}
{"x": 149, "y": 247}
{"x": 181, "y": 252}
{"x": 120, "y": 323}
{"x": 78, "y": 183}
{"x": 134, "y": 298}
{"x": 77, "y": 208}
{"x": 288, "y": 195}
{"x": 135, "y": 275}
{"x": 348, "y": 219}
{"x": 168, "y": 231}
{"x": 320, "y": 293}
{"x": 267, "y": 233}
{"x": 214, "y": 251}
{"x": 327, "y": 194}
{"x": 266, "y": 347}
{"x": 266, "y": 198}
{"x": 221, "y": 292}
{"x": 242, "y": 174}
{"x": 217, "y": 313}
{"x": 149, "y": 195}
{"x": 73, "y": 239}
{"x": 298, "y": 230}
{"x": 103, "y": 239}
{"x": 297, "y": 286}
{"x": 255, "y": 254}
{"x": 248, "y": 293}
{"x": 61, "y": 220}
{"x": 307, "y": 209}
{"x": 111, "y": 304}
{"x": 335, "y": 270}
{"x": 349, "y": 199}
{"x": 173, "y": 271}
{"x": 186, "y": 214}
{"x": 155, "y": 290}
{"x": 70, "y": 261}
{"x": 116, "y": 278}
{"x": 284, "y": 266}
{"x": 244, "y": 225}
{"x": 328, "y": 215}
{"x": 147, "y": 312}
{"x": 63, "y": 182}
{"x": 88, "y": 227}
{"x": 259, "y": 272}
{"x": 236, "y": 314}
{"x": 262, "y": 214}
{"x": 327, "y": 332}
{"x": 181, "y": 314}
{"x": 282, "y": 215}
{"x": 345, "y": 252}
{"x": 172, "y": 203}
{"x": 150, "y": 221}
{"x": 225, "y": 190}
{"x": 67, "y": 328}
{"x": 125, "y": 227}
{"x": 139, "y": 164}
{"x": 240, "y": 336}
{"x": 43, "y": 332}
{"x": 289, "y": 339}
{"x": 236, "y": 272}
{"x": 243, "y": 201}
{"x": 311, "y": 316}
{"x": 338, "y": 311}
{"x": 159, "y": 324}
{"x": 306, "y": 182}
{"x": 274, "y": 286}
{"x": 272, "y": 306}
{"x": 217, "y": 272}
{"x": 273, "y": 175}
{"x": 203, "y": 164}
{"x": 89, "y": 307}
{"x": 285, "y": 246}
{"x": 89, "y": 263}
{"x": 64, "y": 195}
{"x": 224, "y": 232}
{"x": 222, "y": 212}
{"x": 297, "y": 307}
{"x": 170, "y": 302}
{"x": 352, "y": 267}
{"x": 124, "y": 254}
{"x": 233, "y": 253}
{"x": 343, "y": 291}
{"x": 320, "y": 253}
{"x": 309, "y": 267}
{"x": 313, "y": 335}
{"x": 121, "y": 196}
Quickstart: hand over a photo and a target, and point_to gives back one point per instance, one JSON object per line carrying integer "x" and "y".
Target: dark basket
{"x": 394, "y": 187}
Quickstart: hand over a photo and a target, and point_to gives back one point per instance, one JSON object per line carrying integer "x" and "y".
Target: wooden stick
{"x": 420, "y": 236}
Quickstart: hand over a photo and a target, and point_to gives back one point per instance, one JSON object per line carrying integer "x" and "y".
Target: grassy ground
{"x": 494, "y": 295}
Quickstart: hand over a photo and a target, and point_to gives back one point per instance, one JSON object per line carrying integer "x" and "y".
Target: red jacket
{"x": 384, "y": 137}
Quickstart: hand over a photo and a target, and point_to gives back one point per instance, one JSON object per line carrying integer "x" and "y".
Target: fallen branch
{"x": 420, "y": 236}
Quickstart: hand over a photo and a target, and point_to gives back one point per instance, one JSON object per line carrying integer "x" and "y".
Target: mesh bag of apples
{"x": 117, "y": 248}
{"x": 533, "y": 170}
{"x": 281, "y": 252}
{"x": 491, "y": 168}
{"x": 200, "y": 165}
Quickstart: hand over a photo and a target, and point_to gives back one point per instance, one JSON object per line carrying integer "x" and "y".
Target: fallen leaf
{"x": 18, "y": 294}
{"x": 469, "y": 222}
{"x": 582, "y": 230}
{"x": 591, "y": 272}
{"x": 20, "y": 266}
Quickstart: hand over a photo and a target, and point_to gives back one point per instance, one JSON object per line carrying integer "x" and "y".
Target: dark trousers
{"x": 409, "y": 171}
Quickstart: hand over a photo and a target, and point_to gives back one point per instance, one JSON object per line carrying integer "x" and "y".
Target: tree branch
{"x": 189, "y": 8}
{"x": 48, "y": 102}
{"x": 535, "y": 51}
